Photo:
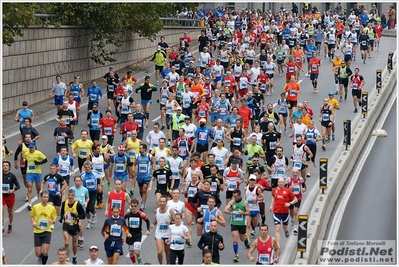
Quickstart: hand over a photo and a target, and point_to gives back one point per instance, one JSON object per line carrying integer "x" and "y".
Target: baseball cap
{"x": 191, "y": 61}
{"x": 159, "y": 48}
{"x": 203, "y": 120}
{"x": 121, "y": 147}
{"x": 178, "y": 108}
{"x": 95, "y": 104}
{"x": 104, "y": 137}
{"x": 31, "y": 144}
{"x": 78, "y": 77}
{"x": 111, "y": 67}
{"x": 330, "y": 93}
{"x": 187, "y": 118}
{"x": 228, "y": 72}
{"x": 25, "y": 103}
{"x": 165, "y": 80}
{"x": 252, "y": 177}
{"x": 93, "y": 247}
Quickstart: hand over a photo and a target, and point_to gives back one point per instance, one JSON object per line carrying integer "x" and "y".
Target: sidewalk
{"x": 45, "y": 109}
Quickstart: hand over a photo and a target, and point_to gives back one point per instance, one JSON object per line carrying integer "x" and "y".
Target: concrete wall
{"x": 32, "y": 62}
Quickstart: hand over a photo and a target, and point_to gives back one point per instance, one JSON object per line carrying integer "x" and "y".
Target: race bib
{"x": 236, "y": 141}
{"x": 120, "y": 167}
{"x": 108, "y": 130}
{"x": 111, "y": 87}
{"x": 43, "y": 224}
{"x": 296, "y": 189}
{"x": 297, "y": 164}
{"x": 264, "y": 258}
{"x": 134, "y": 222}
{"x": 116, "y": 203}
{"x": 93, "y": 97}
{"x": 163, "y": 227}
{"x": 5, "y": 188}
{"x": 162, "y": 179}
{"x": 115, "y": 230}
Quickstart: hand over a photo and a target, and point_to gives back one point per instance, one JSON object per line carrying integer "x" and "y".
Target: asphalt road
{"x": 21, "y": 239}
{"x": 373, "y": 199}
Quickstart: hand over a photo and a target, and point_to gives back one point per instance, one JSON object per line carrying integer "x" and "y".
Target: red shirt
{"x": 173, "y": 55}
{"x": 282, "y": 196}
{"x": 187, "y": 39}
{"x": 296, "y": 187}
{"x": 117, "y": 199}
{"x": 263, "y": 78}
{"x": 314, "y": 63}
{"x": 229, "y": 81}
{"x": 378, "y": 30}
{"x": 239, "y": 35}
{"x": 246, "y": 115}
{"x": 128, "y": 126}
{"x": 309, "y": 111}
{"x": 108, "y": 125}
{"x": 119, "y": 92}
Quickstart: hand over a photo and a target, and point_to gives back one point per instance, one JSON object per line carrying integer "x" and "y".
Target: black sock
{"x": 147, "y": 115}
{"x": 315, "y": 84}
{"x": 101, "y": 196}
{"x": 253, "y": 227}
{"x": 263, "y": 219}
{"x": 44, "y": 260}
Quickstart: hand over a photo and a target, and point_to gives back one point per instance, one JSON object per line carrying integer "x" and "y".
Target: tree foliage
{"x": 106, "y": 23}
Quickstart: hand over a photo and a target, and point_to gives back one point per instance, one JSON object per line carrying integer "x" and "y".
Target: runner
{"x": 33, "y": 158}
{"x": 93, "y": 121}
{"x": 178, "y": 233}
{"x": 154, "y": 136}
{"x": 292, "y": 89}
{"x": 141, "y": 120}
{"x": 61, "y": 135}
{"x": 314, "y": 64}
{"x": 327, "y": 118}
{"x": 24, "y": 113}
{"x": 357, "y": 82}
{"x": 176, "y": 165}
{"x": 282, "y": 199}
{"x": 333, "y": 102}
{"x": 283, "y": 107}
{"x": 132, "y": 146}
{"x": 56, "y": 186}
{"x": 145, "y": 89}
{"x": 163, "y": 218}
{"x": 71, "y": 217}
{"x": 112, "y": 232}
{"x": 253, "y": 194}
{"x": 94, "y": 260}
{"x": 297, "y": 186}
{"x": 58, "y": 90}
{"x": 239, "y": 209}
{"x": 81, "y": 195}
{"x": 62, "y": 257}
{"x": 9, "y": 186}
{"x": 164, "y": 178}
{"x": 117, "y": 198}
{"x": 42, "y": 216}
{"x": 94, "y": 93}
{"x": 205, "y": 136}
{"x": 92, "y": 180}
{"x": 84, "y": 146}
{"x": 212, "y": 241}
{"x": 143, "y": 167}
{"x": 65, "y": 167}
{"x": 109, "y": 151}
{"x": 134, "y": 220}
{"x": 265, "y": 244}
{"x": 209, "y": 213}
{"x": 312, "y": 135}
{"x": 122, "y": 162}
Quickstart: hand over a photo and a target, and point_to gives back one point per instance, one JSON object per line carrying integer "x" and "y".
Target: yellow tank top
{"x": 134, "y": 148}
{"x": 68, "y": 217}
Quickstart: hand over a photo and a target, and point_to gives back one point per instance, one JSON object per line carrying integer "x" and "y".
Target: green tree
{"x": 105, "y": 23}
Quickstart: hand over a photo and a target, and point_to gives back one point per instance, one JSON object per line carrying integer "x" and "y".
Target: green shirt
{"x": 252, "y": 149}
{"x": 238, "y": 219}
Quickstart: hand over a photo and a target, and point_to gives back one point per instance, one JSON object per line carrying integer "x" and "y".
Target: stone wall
{"x": 32, "y": 62}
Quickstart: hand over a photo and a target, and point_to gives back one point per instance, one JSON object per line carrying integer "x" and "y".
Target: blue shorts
{"x": 223, "y": 117}
{"x": 122, "y": 178}
{"x": 142, "y": 181}
{"x": 214, "y": 117}
{"x": 279, "y": 218}
{"x": 371, "y": 43}
{"x": 106, "y": 166}
{"x": 58, "y": 100}
{"x": 78, "y": 99}
{"x": 112, "y": 247}
{"x": 354, "y": 43}
{"x": 145, "y": 102}
{"x": 33, "y": 177}
{"x": 254, "y": 213}
{"x": 314, "y": 76}
{"x": 218, "y": 79}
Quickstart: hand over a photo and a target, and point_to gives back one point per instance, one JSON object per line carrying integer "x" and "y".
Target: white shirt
{"x": 153, "y": 138}
{"x": 190, "y": 130}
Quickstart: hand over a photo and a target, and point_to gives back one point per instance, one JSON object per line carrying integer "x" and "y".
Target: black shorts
{"x": 92, "y": 201}
{"x": 270, "y": 75}
{"x": 90, "y": 105}
{"x": 318, "y": 43}
{"x": 331, "y": 46}
{"x": 95, "y": 134}
{"x": 225, "y": 65}
{"x": 325, "y": 124}
{"x": 249, "y": 61}
{"x": 58, "y": 147}
{"x": 348, "y": 58}
{"x": 168, "y": 119}
{"x": 42, "y": 238}
{"x": 23, "y": 170}
{"x": 136, "y": 237}
{"x": 344, "y": 81}
{"x": 110, "y": 95}
{"x": 364, "y": 48}
{"x": 71, "y": 229}
{"x": 160, "y": 68}
{"x": 273, "y": 182}
{"x": 194, "y": 105}
{"x": 67, "y": 178}
{"x": 162, "y": 191}
{"x": 242, "y": 229}
{"x": 339, "y": 36}
{"x": 202, "y": 148}
{"x": 296, "y": 205}
{"x": 56, "y": 200}
{"x": 357, "y": 93}
{"x": 229, "y": 194}
{"x": 292, "y": 103}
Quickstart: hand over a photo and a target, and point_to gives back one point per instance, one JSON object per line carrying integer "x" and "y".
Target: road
{"x": 373, "y": 198}
{"x": 21, "y": 239}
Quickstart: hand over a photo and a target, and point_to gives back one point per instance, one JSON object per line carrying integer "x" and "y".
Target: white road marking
{"x": 300, "y": 81}
{"x": 157, "y": 118}
{"x": 25, "y": 205}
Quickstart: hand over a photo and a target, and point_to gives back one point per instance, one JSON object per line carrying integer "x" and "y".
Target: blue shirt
{"x": 232, "y": 120}
{"x": 90, "y": 180}
{"x": 203, "y": 134}
{"x": 364, "y": 18}
{"x": 92, "y": 94}
{"x": 309, "y": 50}
{"x": 286, "y": 33}
{"x": 121, "y": 164}
{"x": 165, "y": 72}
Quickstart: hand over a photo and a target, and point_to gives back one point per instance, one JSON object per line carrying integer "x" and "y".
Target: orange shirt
{"x": 292, "y": 89}
{"x": 198, "y": 91}
{"x": 314, "y": 63}
{"x": 298, "y": 55}
{"x": 340, "y": 28}
{"x": 263, "y": 39}
{"x": 246, "y": 115}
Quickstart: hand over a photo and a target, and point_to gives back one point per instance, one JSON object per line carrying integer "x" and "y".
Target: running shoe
{"x": 287, "y": 234}
{"x": 355, "y": 111}
{"x": 163, "y": 127}
{"x": 131, "y": 193}
{"x": 189, "y": 243}
{"x": 295, "y": 230}
{"x": 336, "y": 92}
{"x": 236, "y": 258}
{"x": 328, "y": 140}
{"x": 80, "y": 243}
{"x": 253, "y": 233}
{"x": 308, "y": 174}
{"x": 333, "y": 137}
{"x": 29, "y": 207}
{"x": 139, "y": 260}
{"x": 109, "y": 187}
{"x": 94, "y": 219}
{"x": 87, "y": 227}
{"x": 314, "y": 164}
{"x": 323, "y": 147}
{"x": 142, "y": 208}
{"x": 340, "y": 99}
{"x": 26, "y": 197}
{"x": 169, "y": 143}
{"x": 9, "y": 229}
{"x": 39, "y": 260}
{"x": 74, "y": 261}
{"x": 346, "y": 97}
{"x": 247, "y": 242}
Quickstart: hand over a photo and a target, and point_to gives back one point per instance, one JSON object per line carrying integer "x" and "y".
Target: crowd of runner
{"x": 218, "y": 132}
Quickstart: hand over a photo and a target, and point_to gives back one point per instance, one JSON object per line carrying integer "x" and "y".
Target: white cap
{"x": 252, "y": 177}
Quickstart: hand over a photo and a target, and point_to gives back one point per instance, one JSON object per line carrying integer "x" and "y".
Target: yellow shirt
{"x": 83, "y": 147}
{"x": 333, "y": 102}
{"x": 42, "y": 216}
{"x": 132, "y": 148}
{"x": 158, "y": 153}
{"x": 30, "y": 161}
{"x": 336, "y": 65}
